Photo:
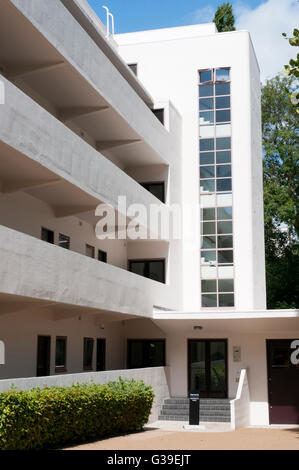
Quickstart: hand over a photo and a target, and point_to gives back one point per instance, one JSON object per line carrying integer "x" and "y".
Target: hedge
{"x": 54, "y": 416}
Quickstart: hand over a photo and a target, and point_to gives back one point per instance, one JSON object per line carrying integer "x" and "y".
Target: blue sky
{"x": 136, "y": 15}
{"x": 266, "y": 20}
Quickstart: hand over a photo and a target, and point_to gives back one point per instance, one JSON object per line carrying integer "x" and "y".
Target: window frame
{"x": 145, "y": 342}
{"x": 68, "y": 239}
{"x": 48, "y": 231}
{"x": 149, "y": 260}
{"x": 133, "y": 66}
{"x": 105, "y": 256}
{"x": 146, "y": 184}
{"x": 88, "y": 367}
{"x": 93, "y": 250}
{"x": 62, "y": 368}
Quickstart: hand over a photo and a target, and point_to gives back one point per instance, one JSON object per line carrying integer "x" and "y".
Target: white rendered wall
{"x": 168, "y": 66}
{"x": 21, "y": 343}
{"x": 24, "y": 213}
{"x": 253, "y": 358}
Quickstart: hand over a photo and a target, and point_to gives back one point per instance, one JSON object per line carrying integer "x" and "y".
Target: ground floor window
{"x": 60, "y": 354}
{"x": 146, "y": 353}
{"x": 43, "y": 356}
{"x": 87, "y": 353}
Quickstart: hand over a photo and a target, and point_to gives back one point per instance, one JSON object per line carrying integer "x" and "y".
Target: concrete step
{"x": 211, "y": 410}
{"x": 202, "y": 406}
{"x": 174, "y": 411}
{"x": 203, "y": 401}
{"x": 205, "y": 419}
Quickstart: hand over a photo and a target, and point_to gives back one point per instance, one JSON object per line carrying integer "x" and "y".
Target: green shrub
{"x": 45, "y": 418}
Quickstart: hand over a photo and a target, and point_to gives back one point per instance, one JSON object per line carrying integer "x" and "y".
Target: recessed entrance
{"x": 283, "y": 383}
{"x": 207, "y": 367}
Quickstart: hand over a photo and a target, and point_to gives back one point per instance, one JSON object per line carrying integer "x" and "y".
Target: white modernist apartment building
{"x": 167, "y": 119}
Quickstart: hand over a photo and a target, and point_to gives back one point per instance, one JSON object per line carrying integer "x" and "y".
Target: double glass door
{"x": 207, "y": 360}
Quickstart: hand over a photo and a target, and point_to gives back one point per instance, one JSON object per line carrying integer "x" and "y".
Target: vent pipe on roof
{"x": 109, "y": 15}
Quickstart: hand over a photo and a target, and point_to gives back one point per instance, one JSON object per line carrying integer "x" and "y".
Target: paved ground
{"x": 172, "y": 436}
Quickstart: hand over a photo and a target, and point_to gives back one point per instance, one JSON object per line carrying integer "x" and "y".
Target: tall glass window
{"x": 215, "y": 180}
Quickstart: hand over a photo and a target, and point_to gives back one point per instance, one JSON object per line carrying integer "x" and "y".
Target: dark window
{"x": 89, "y": 251}
{"x": 47, "y": 235}
{"x": 224, "y": 213}
{"x": 207, "y": 144}
{"x": 209, "y": 300}
{"x": 206, "y": 104}
{"x": 226, "y": 285}
{"x": 207, "y": 171}
{"x": 223, "y": 115}
{"x": 208, "y": 228}
{"x": 206, "y": 117}
{"x": 222, "y": 102}
{"x": 225, "y": 241}
{"x": 223, "y": 143}
{"x": 157, "y": 189}
{"x": 224, "y": 227}
{"x": 43, "y": 356}
{"x": 207, "y": 185}
{"x": 226, "y": 300}
{"x": 208, "y": 214}
{"x": 222, "y": 89}
{"x": 133, "y": 67}
{"x": 64, "y": 241}
{"x": 223, "y": 157}
{"x": 146, "y": 353}
{"x": 207, "y": 158}
{"x": 225, "y": 257}
{"x": 60, "y": 354}
{"x": 206, "y": 90}
{"x": 208, "y": 256}
{"x": 159, "y": 113}
{"x": 224, "y": 171}
{"x": 101, "y": 354}
{"x": 205, "y": 76}
{"x": 152, "y": 269}
{"x": 87, "y": 353}
{"x": 102, "y": 256}
{"x": 208, "y": 242}
{"x": 224, "y": 185}
{"x": 208, "y": 285}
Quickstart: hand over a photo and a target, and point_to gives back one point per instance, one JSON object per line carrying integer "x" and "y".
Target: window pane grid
{"x": 215, "y": 172}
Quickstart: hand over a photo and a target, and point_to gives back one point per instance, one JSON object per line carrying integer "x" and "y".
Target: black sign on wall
{"x": 194, "y": 404}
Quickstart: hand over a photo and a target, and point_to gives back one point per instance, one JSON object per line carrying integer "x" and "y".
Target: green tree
{"x": 280, "y": 146}
{"x": 224, "y": 18}
{"x": 293, "y": 68}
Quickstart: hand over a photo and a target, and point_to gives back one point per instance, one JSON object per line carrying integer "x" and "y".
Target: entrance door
{"x": 283, "y": 383}
{"x": 101, "y": 354}
{"x": 207, "y": 366}
{"x": 43, "y": 356}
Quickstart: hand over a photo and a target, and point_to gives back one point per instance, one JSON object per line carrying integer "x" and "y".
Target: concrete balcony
{"x": 35, "y": 274}
{"x": 56, "y": 61}
{"x": 41, "y": 156}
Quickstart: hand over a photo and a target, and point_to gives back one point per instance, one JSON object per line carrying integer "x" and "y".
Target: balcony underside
{"x": 79, "y": 86}
{"x": 68, "y": 282}
{"x": 42, "y": 157}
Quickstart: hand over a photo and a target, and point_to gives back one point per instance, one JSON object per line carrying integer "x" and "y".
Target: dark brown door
{"x": 207, "y": 366}
{"x": 43, "y": 356}
{"x": 101, "y": 354}
{"x": 283, "y": 383}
